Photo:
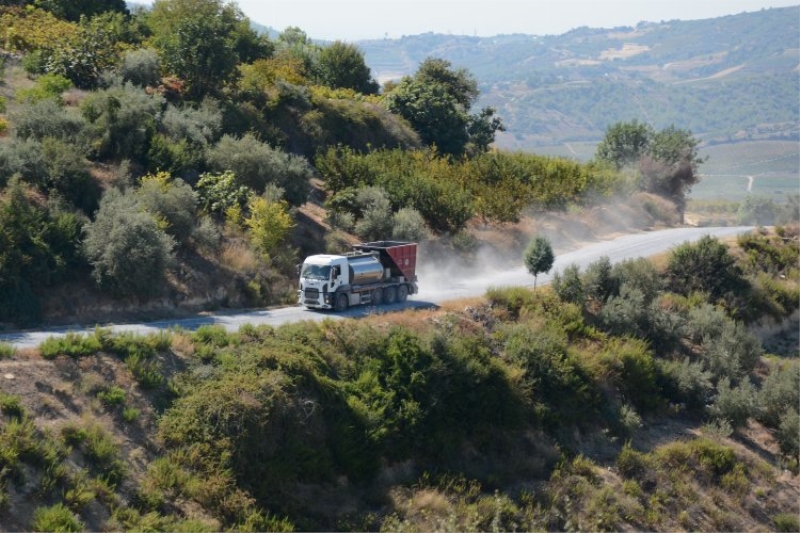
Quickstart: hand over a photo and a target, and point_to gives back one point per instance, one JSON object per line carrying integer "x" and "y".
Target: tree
{"x": 667, "y": 160}
{"x": 341, "y": 66}
{"x": 538, "y": 257}
{"x": 73, "y": 10}
{"x": 624, "y": 143}
{"x": 202, "y": 42}
{"x": 436, "y": 102}
{"x": 128, "y": 251}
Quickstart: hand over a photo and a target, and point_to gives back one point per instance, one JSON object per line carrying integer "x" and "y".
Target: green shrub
{"x": 172, "y": 201}
{"x": 598, "y": 281}
{"x": 131, "y": 414}
{"x": 48, "y": 86}
{"x": 375, "y": 223}
{"x": 408, "y": 225}
{"x": 198, "y": 125}
{"x": 568, "y": 286}
{"x": 147, "y": 372}
{"x": 103, "y": 454}
{"x": 47, "y": 119}
{"x": 128, "y": 251}
{"x": 780, "y": 391}
{"x": 736, "y": 404}
{"x": 55, "y": 518}
{"x": 786, "y": 522}
{"x": 11, "y": 406}
{"x": 757, "y": 210}
{"x": 71, "y": 344}
{"x": 112, "y": 396}
{"x": 639, "y": 274}
{"x": 211, "y": 334}
{"x": 256, "y": 165}
{"x": 734, "y": 353}
{"x": 121, "y": 121}
{"x": 686, "y": 382}
{"x": 704, "y": 266}
{"x": 7, "y": 351}
{"x": 788, "y": 434}
{"x": 140, "y": 67}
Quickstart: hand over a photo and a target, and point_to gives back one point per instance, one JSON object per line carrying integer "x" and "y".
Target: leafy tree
{"x": 624, "y": 143}
{"x": 408, "y": 225}
{"x": 36, "y": 249}
{"x": 341, "y": 66}
{"x": 129, "y": 252}
{"x": 436, "y": 102}
{"x": 73, "y": 10}
{"x": 203, "y": 41}
{"x": 539, "y": 257}
{"x": 93, "y": 51}
{"x": 568, "y": 285}
{"x": 667, "y": 160}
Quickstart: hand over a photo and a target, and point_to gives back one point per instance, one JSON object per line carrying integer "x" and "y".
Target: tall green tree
{"x": 202, "y": 42}
{"x": 625, "y": 143}
{"x": 436, "y": 102}
{"x": 341, "y": 66}
{"x": 538, "y": 257}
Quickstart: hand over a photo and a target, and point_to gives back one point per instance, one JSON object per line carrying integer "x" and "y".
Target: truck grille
{"x": 312, "y": 293}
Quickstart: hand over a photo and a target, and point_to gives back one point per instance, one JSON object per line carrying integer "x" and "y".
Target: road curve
{"x": 435, "y": 287}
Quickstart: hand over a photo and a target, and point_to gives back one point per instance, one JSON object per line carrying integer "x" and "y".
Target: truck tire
{"x": 402, "y": 293}
{"x": 341, "y": 303}
{"x": 389, "y": 295}
{"x": 377, "y": 297}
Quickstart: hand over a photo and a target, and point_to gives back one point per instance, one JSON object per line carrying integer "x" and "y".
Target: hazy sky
{"x": 352, "y": 20}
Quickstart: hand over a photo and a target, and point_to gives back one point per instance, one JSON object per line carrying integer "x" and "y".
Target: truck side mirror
{"x": 336, "y": 272}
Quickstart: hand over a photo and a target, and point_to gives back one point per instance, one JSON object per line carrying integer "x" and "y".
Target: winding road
{"x": 435, "y": 285}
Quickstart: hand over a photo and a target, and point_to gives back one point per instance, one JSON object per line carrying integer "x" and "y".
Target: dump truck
{"x": 381, "y": 272}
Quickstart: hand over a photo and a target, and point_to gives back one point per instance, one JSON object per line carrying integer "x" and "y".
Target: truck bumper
{"x": 314, "y": 301}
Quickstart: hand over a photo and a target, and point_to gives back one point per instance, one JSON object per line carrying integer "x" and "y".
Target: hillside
{"x": 726, "y": 79}
{"x": 618, "y": 400}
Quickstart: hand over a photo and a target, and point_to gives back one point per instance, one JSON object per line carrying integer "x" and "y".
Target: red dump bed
{"x": 399, "y": 257}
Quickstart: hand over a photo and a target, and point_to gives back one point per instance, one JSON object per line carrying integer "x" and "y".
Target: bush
{"x": 780, "y": 391}
{"x": 639, "y": 274}
{"x": 129, "y": 253}
{"x": 269, "y": 222}
{"x": 408, "y": 225}
{"x": 789, "y": 434}
{"x": 736, "y": 404}
{"x": 72, "y": 344}
{"x": 256, "y": 165}
{"x": 568, "y": 286}
{"x": 786, "y": 522}
{"x": 375, "y": 223}
{"x": 7, "y": 351}
{"x": 200, "y": 126}
{"x": 734, "y": 353}
{"x": 140, "y": 67}
{"x": 757, "y": 210}
{"x": 47, "y": 118}
{"x": 598, "y": 282}
{"x": 111, "y": 396}
{"x": 171, "y": 201}
{"x": 704, "y": 266}
{"x": 55, "y": 518}
{"x": 686, "y": 382}
{"x": 48, "y": 87}
{"x": 121, "y": 121}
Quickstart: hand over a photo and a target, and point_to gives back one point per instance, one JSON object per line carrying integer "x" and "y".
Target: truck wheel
{"x": 402, "y": 293}
{"x": 389, "y": 295}
{"x": 377, "y": 297}
{"x": 341, "y": 303}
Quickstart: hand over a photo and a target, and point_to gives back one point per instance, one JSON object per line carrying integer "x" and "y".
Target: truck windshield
{"x": 316, "y": 271}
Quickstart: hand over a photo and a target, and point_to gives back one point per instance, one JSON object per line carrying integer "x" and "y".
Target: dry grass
{"x": 239, "y": 257}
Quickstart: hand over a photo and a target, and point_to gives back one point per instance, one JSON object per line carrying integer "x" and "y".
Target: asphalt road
{"x": 436, "y": 286}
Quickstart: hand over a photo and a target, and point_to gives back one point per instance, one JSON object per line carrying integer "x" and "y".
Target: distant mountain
{"x": 726, "y": 79}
